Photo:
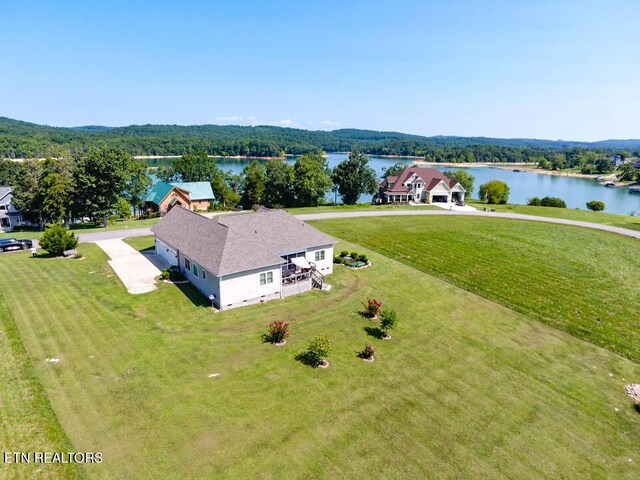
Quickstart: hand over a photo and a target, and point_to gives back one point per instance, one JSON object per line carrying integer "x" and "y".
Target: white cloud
{"x": 234, "y": 118}
{"x": 253, "y": 120}
{"x": 329, "y": 123}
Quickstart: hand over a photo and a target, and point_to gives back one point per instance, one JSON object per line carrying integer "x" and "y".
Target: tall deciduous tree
{"x": 278, "y": 184}
{"x": 100, "y": 179}
{"x": 495, "y": 192}
{"x": 354, "y": 177}
{"x": 464, "y": 178}
{"x": 393, "y": 170}
{"x": 26, "y": 190}
{"x": 195, "y": 167}
{"x": 253, "y": 184}
{"x": 56, "y": 193}
{"x": 311, "y": 179}
{"x": 138, "y": 184}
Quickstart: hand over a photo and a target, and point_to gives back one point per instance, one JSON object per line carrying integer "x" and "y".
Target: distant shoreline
{"x": 555, "y": 173}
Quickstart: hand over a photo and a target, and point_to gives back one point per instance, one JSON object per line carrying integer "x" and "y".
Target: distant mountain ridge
{"x": 25, "y": 139}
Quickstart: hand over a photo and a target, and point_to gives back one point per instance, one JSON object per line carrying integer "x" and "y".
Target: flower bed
{"x": 352, "y": 260}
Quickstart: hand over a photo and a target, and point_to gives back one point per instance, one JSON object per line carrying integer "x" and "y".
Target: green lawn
{"x": 88, "y": 228}
{"x": 27, "y": 421}
{"x": 582, "y": 281}
{"x": 358, "y": 206}
{"x": 466, "y": 388}
{"x": 618, "y": 220}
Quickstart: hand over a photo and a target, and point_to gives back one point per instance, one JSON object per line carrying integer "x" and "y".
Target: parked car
{"x": 7, "y": 244}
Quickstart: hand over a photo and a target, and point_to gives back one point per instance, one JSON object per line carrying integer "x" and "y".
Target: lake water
{"x": 574, "y": 191}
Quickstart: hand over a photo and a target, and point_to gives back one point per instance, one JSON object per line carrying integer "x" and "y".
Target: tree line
{"x": 28, "y": 140}
{"x": 276, "y": 184}
{"x": 97, "y": 185}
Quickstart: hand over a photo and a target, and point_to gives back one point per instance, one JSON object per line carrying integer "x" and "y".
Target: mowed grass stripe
{"x": 27, "y": 421}
{"x": 581, "y": 281}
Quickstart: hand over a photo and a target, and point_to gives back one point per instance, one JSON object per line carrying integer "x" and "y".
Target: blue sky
{"x": 540, "y": 69}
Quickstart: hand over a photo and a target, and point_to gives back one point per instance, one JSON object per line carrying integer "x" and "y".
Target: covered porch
{"x": 399, "y": 197}
{"x": 296, "y": 274}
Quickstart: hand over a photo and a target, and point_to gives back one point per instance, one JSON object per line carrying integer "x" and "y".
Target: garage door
{"x": 167, "y": 253}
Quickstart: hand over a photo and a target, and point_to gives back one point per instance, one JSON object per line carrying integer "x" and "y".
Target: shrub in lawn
{"x": 318, "y": 349}
{"x": 595, "y": 205}
{"x": 337, "y": 259}
{"x": 346, "y": 261}
{"x": 553, "y": 202}
{"x": 534, "y": 202}
{"x": 372, "y": 307}
{"x": 388, "y": 320}
{"x": 344, "y": 253}
{"x": 57, "y": 239}
{"x": 278, "y": 332}
{"x": 362, "y": 258}
{"x": 165, "y": 274}
{"x": 367, "y": 352}
{"x": 353, "y": 255}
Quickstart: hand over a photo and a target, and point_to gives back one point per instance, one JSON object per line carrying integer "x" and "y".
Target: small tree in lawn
{"x": 388, "y": 320}
{"x": 57, "y": 239}
{"x": 372, "y": 307}
{"x": 278, "y": 332}
{"x": 367, "y": 353}
{"x": 595, "y": 205}
{"x": 318, "y": 350}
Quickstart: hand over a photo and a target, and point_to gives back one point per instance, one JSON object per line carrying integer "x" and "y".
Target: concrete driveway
{"x": 136, "y": 270}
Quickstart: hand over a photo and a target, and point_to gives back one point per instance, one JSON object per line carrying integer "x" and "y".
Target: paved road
{"x": 137, "y": 232}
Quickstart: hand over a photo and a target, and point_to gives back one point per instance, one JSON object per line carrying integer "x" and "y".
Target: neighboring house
{"x": 617, "y": 160}
{"x": 244, "y": 258}
{"x": 10, "y": 217}
{"x": 190, "y": 195}
{"x": 420, "y": 185}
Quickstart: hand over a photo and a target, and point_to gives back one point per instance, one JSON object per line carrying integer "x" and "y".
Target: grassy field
{"x": 624, "y": 221}
{"x": 358, "y": 206}
{"x": 581, "y": 281}
{"x": 466, "y": 388}
{"x": 27, "y": 421}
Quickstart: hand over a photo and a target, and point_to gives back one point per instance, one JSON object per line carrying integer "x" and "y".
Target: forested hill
{"x": 22, "y": 139}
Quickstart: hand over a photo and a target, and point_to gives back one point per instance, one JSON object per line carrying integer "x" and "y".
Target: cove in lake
{"x": 524, "y": 185}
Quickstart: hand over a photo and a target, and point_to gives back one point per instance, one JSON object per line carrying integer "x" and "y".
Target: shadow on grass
{"x": 193, "y": 294}
{"x": 364, "y": 314}
{"x": 637, "y": 407}
{"x": 306, "y": 358}
{"x": 374, "y": 332}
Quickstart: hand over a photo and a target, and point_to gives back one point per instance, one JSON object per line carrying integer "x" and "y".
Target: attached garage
{"x": 166, "y": 252}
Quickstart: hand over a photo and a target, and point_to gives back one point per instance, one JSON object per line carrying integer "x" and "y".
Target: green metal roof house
{"x": 190, "y": 195}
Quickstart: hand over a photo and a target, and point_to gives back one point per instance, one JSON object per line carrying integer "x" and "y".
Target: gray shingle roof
{"x": 236, "y": 243}
{"x": 4, "y": 191}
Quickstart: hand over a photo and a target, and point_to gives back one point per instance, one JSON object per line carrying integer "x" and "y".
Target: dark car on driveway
{"x": 7, "y": 244}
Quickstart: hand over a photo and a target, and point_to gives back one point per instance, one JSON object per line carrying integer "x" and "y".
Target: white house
{"x": 421, "y": 185}
{"x": 245, "y": 258}
{"x": 10, "y": 217}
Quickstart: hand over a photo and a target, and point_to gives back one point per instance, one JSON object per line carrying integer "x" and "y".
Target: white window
{"x": 319, "y": 255}
{"x": 187, "y": 264}
{"x": 266, "y": 278}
